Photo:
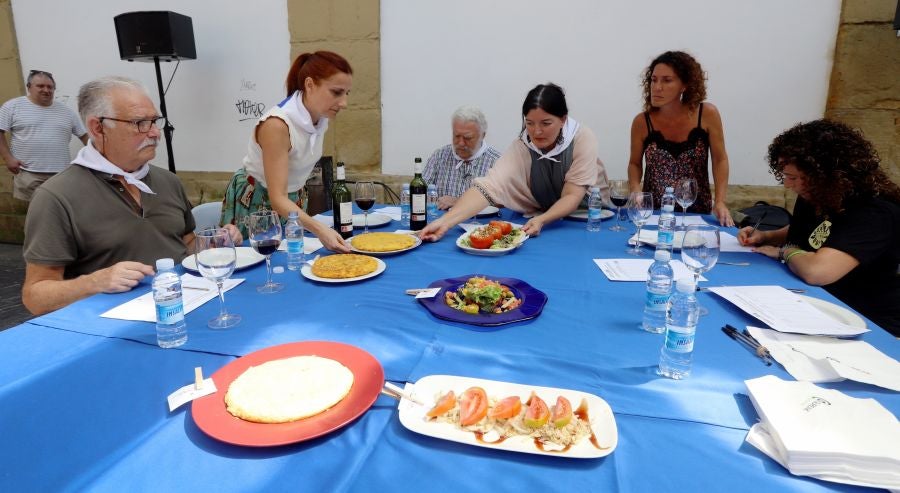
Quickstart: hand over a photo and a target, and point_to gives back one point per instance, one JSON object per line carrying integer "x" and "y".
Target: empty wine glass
{"x": 364, "y": 195}
{"x": 685, "y": 195}
{"x": 618, "y": 195}
{"x": 215, "y": 256}
{"x": 265, "y": 236}
{"x": 640, "y": 208}
{"x": 700, "y": 250}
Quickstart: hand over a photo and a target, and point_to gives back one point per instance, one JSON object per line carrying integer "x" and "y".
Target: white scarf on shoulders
{"x": 460, "y": 161}
{"x": 568, "y": 133}
{"x": 300, "y": 117}
{"x": 90, "y": 158}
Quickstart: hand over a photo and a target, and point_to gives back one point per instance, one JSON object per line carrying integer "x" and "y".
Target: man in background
{"x": 40, "y": 130}
{"x": 100, "y": 225}
{"x": 451, "y": 168}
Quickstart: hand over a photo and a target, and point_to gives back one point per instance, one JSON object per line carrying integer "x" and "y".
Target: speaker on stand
{"x": 154, "y": 36}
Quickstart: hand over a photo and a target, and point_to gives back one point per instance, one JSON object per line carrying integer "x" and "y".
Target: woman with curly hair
{"x": 676, "y": 133}
{"x": 845, "y": 231}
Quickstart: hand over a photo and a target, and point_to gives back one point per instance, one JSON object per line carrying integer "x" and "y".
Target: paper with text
{"x": 195, "y": 291}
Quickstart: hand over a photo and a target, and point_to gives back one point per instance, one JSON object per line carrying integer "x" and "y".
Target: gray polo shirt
{"x": 85, "y": 220}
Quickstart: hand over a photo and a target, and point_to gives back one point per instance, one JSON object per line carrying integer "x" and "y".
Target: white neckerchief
{"x": 90, "y": 157}
{"x": 300, "y": 117}
{"x": 460, "y": 161}
{"x": 568, "y": 133}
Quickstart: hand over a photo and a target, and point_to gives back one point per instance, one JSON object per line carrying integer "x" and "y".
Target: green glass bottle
{"x": 342, "y": 204}
{"x": 418, "y": 194}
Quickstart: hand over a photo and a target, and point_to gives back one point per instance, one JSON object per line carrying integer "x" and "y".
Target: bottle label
{"x": 295, "y": 245}
{"x": 594, "y": 214}
{"x": 418, "y": 206}
{"x": 340, "y": 174}
{"x": 679, "y": 339}
{"x": 657, "y": 302}
{"x": 169, "y": 312}
{"x": 346, "y": 217}
{"x": 665, "y": 237}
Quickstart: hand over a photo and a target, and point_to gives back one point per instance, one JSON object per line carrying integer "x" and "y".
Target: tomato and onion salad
{"x": 496, "y": 235}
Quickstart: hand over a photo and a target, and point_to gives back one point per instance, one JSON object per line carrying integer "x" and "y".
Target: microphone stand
{"x": 167, "y": 128}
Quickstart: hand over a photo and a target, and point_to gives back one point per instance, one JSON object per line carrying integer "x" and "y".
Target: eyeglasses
{"x": 40, "y": 72}
{"x": 143, "y": 126}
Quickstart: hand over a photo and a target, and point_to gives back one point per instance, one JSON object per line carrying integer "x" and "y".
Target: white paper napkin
{"x": 627, "y": 269}
{"x": 310, "y": 244}
{"x": 195, "y": 292}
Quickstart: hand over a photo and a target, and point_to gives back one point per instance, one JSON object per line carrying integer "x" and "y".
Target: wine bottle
{"x": 418, "y": 193}
{"x": 341, "y": 204}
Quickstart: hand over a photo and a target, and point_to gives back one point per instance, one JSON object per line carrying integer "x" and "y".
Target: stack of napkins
{"x": 825, "y": 434}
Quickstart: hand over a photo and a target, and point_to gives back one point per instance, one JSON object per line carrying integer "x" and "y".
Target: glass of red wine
{"x": 364, "y": 195}
{"x": 265, "y": 236}
{"x": 618, "y": 195}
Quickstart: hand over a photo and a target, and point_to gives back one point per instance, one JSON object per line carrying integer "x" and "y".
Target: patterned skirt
{"x": 244, "y": 196}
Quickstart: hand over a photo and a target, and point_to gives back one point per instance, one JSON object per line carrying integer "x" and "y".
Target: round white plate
{"x": 582, "y": 214}
{"x": 836, "y": 312}
{"x": 306, "y": 271}
{"x": 489, "y": 252}
{"x": 488, "y": 211}
{"x": 418, "y": 241}
{"x": 246, "y": 257}
{"x": 359, "y": 220}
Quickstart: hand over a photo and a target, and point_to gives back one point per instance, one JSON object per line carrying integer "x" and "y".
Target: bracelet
{"x": 792, "y": 255}
{"x": 484, "y": 193}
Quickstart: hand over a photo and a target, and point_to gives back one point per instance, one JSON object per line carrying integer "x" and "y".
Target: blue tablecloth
{"x": 84, "y": 397}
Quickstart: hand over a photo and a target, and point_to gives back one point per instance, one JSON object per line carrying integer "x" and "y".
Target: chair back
{"x": 207, "y": 215}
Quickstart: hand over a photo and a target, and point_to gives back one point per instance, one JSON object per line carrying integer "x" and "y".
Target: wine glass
{"x": 265, "y": 236}
{"x": 364, "y": 195}
{"x": 640, "y": 208}
{"x": 685, "y": 195}
{"x": 618, "y": 195}
{"x": 700, "y": 250}
{"x": 215, "y": 256}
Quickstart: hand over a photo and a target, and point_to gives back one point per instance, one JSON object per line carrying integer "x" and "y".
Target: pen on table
{"x": 759, "y": 350}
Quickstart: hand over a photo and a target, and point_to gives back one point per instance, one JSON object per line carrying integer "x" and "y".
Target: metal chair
{"x": 207, "y": 215}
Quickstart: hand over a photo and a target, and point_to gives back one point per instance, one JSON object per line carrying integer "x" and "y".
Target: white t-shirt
{"x": 301, "y": 158}
{"x": 40, "y": 134}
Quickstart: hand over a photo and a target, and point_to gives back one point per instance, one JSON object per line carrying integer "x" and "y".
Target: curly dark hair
{"x": 688, "y": 70}
{"x": 839, "y": 164}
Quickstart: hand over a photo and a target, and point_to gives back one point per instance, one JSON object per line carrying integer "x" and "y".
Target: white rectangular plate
{"x": 412, "y": 415}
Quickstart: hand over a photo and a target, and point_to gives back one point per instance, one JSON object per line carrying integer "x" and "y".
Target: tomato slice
{"x": 504, "y": 227}
{"x": 473, "y": 406}
{"x": 481, "y": 239}
{"x": 444, "y": 404}
{"x": 506, "y": 408}
{"x": 562, "y": 412}
{"x": 537, "y": 414}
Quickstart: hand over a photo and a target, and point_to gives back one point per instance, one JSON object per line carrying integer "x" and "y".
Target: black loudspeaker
{"x": 145, "y": 35}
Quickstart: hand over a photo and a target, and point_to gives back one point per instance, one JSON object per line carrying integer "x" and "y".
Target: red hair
{"x": 319, "y": 65}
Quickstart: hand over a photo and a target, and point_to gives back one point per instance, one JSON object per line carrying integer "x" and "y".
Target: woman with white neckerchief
{"x": 286, "y": 144}
{"x": 546, "y": 173}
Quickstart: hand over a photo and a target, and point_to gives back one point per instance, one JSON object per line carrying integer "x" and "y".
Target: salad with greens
{"x": 480, "y": 295}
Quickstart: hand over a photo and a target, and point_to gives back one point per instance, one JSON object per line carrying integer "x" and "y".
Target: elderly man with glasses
{"x": 40, "y": 130}
{"x": 98, "y": 226}
{"x": 452, "y": 167}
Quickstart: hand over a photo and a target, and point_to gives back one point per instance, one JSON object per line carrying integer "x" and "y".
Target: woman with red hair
{"x": 287, "y": 142}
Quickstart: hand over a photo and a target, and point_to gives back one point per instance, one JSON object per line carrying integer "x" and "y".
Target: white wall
{"x": 243, "y": 54}
{"x": 768, "y": 62}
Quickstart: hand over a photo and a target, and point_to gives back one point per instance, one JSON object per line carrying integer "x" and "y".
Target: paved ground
{"x": 12, "y": 272}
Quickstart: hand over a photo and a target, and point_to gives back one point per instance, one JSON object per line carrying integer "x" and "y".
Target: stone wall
{"x": 864, "y": 92}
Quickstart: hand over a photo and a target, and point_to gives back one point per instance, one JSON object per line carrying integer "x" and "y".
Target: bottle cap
{"x": 686, "y": 285}
{"x": 431, "y": 187}
{"x": 662, "y": 255}
{"x": 670, "y": 189}
{"x": 595, "y": 189}
{"x": 293, "y": 215}
{"x": 417, "y": 160}
{"x": 164, "y": 264}
{"x": 277, "y": 269}
{"x": 406, "y": 186}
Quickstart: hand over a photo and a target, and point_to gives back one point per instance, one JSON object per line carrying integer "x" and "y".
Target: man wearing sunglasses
{"x": 98, "y": 226}
{"x": 40, "y": 130}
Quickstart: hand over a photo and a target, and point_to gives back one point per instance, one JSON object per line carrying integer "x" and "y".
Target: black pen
{"x": 758, "y": 222}
{"x": 760, "y": 351}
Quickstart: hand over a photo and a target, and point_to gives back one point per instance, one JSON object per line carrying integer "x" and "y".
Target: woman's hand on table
{"x": 434, "y": 231}
{"x": 748, "y": 237}
{"x": 723, "y": 214}
{"x": 533, "y": 226}
{"x": 333, "y": 241}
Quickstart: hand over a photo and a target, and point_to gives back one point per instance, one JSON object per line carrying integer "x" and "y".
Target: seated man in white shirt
{"x": 99, "y": 225}
{"x": 452, "y": 167}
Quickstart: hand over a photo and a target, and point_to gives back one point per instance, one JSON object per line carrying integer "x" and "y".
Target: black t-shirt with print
{"x": 869, "y": 231}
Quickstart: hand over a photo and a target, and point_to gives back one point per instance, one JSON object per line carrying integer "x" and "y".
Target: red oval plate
{"x": 211, "y": 416}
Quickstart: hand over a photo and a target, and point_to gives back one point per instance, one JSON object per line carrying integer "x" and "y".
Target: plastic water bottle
{"x": 404, "y": 206}
{"x": 432, "y": 203}
{"x": 293, "y": 235}
{"x": 681, "y": 324}
{"x": 595, "y": 208}
{"x": 666, "y": 233}
{"x": 170, "y": 327}
{"x": 659, "y": 290}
